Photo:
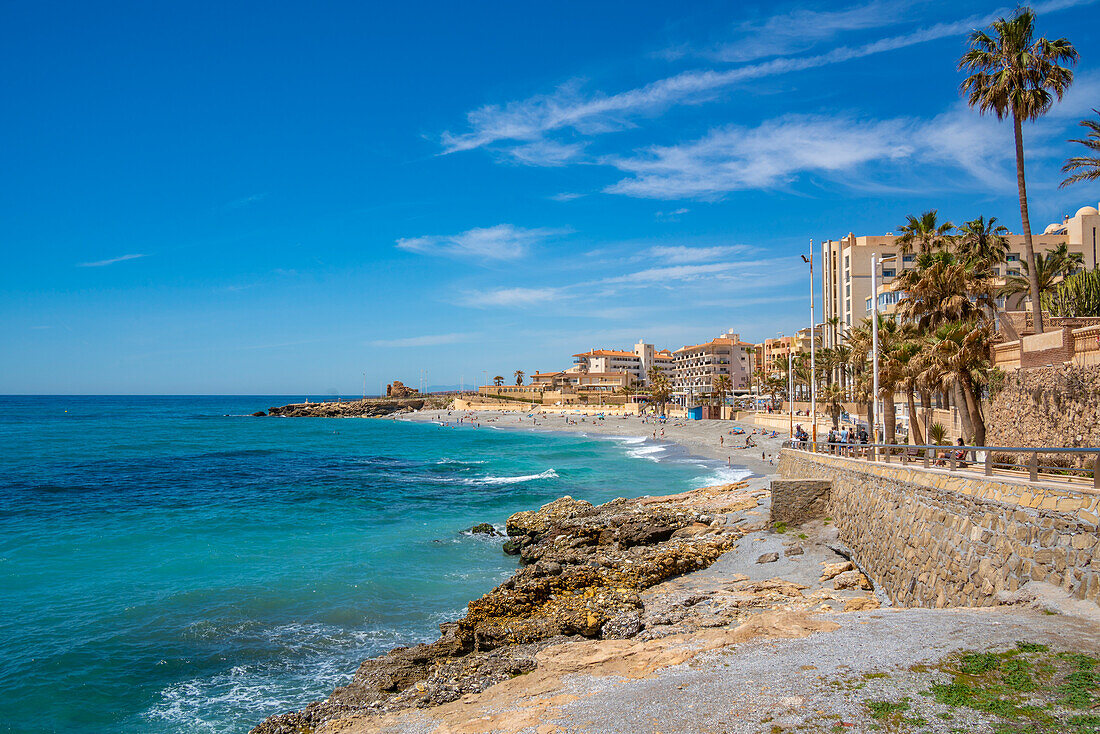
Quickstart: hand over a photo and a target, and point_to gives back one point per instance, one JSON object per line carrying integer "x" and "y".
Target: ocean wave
{"x": 628, "y": 440}
{"x": 447, "y": 460}
{"x": 647, "y": 451}
{"x": 548, "y": 474}
{"x": 722, "y": 475}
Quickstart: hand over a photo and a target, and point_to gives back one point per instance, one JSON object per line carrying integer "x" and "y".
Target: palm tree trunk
{"x": 964, "y": 410}
{"x": 1029, "y": 249}
{"x": 889, "y": 417}
{"x": 926, "y": 414}
{"x": 916, "y": 435}
{"x": 975, "y": 412}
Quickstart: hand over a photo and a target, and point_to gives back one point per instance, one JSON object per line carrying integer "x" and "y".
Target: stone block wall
{"x": 795, "y": 501}
{"x": 933, "y": 539}
{"x": 1047, "y": 406}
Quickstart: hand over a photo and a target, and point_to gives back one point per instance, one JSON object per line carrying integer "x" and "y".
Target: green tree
{"x": 1085, "y": 168}
{"x": 982, "y": 243}
{"x": 660, "y": 388}
{"x": 1076, "y": 295}
{"x": 1013, "y": 74}
{"x": 1049, "y": 271}
{"x": 832, "y": 399}
{"x": 960, "y": 350}
{"x": 925, "y": 232}
{"x": 519, "y": 375}
{"x": 498, "y": 380}
{"x": 723, "y": 386}
{"x": 941, "y": 289}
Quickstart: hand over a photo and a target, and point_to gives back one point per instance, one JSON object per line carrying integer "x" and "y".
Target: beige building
{"x": 846, "y": 267}
{"x": 696, "y": 367}
{"x": 636, "y": 363}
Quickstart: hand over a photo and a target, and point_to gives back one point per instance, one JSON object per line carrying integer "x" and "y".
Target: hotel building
{"x": 637, "y": 363}
{"x": 846, "y": 267}
{"x": 695, "y": 367}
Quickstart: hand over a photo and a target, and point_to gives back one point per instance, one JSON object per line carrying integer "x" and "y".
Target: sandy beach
{"x": 713, "y": 440}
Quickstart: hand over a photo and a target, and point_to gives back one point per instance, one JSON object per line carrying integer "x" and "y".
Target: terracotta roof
{"x": 606, "y": 353}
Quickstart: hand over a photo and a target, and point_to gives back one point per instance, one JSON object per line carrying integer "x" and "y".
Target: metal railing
{"x": 1085, "y": 464}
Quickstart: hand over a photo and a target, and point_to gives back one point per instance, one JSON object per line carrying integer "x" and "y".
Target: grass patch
{"x": 886, "y": 709}
{"x": 780, "y": 527}
{"x": 1028, "y": 689}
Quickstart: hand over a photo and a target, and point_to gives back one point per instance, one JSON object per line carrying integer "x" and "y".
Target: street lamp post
{"x": 813, "y": 350}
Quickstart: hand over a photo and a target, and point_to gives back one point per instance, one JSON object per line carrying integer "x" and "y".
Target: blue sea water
{"x": 169, "y": 564}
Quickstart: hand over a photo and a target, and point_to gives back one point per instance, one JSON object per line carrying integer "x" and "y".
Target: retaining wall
{"x": 933, "y": 539}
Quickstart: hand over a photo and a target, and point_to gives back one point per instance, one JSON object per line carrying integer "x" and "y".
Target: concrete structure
{"x": 696, "y": 367}
{"x": 931, "y": 538}
{"x": 846, "y": 267}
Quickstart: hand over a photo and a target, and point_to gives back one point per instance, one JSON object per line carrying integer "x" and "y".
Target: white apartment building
{"x": 696, "y": 367}
{"x": 846, "y": 266}
{"x": 636, "y": 363}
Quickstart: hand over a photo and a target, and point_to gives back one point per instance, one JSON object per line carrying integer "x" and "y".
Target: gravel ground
{"x": 818, "y": 681}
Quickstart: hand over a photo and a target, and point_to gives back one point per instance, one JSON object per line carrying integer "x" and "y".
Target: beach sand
{"x": 709, "y": 439}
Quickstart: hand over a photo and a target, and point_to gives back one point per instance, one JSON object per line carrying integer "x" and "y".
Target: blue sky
{"x": 277, "y": 197}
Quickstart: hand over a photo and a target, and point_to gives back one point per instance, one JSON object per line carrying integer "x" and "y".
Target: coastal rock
{"x": 832, "y": 570}
{"x": 364, "y": 408}
{"x": 259, "y": 414}
{"x": 861, "y": 603}
{"x": 851, "y": 580}
{"x": 484, "y": 528}
{"x": 583, "y": 570}
{"x": 768, "y": 558}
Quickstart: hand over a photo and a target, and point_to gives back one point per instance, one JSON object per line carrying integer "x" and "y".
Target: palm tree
{"x": 723, "y": 386}
{"x": 498, "y": 380}
{"x": 981, "y": 244}
{"x": 961, "y": 352}
{"x": 1049, "y": 271}
{"x": 925, "y": 231}
{"x": 660, "y": 388}
{"x": 940, "y": 289}
{"x": 519, "y": 377}
{"x": 1087, "y": 168}
{"x": 1014, "y": 75}
{"x": 833, "y": 399}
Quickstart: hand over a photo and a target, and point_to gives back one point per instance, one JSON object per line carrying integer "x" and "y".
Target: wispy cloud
{"x": 530, "y": 119}
{"x": 735, "y": 158}
{"x": 547, "y": 153}
{"x": 672, "y": 216}
{"x": 566, "y": 196}
{"x": 684, "y": 254}
{"x": 502, "y": 242}
{"x": 511, "y": 297}
{"x": 244, "y": 201}
{"x": 109, "y": 261}
{"x": 427, "y": 340}
{"x": 799, "y": 30}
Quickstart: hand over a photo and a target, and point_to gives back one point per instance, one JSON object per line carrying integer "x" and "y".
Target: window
{"x": 848, "y": 290}
{"x": 908, "y": 258}
{"x": 867, "y": 303}
{"x": 1013, "y": 258}
{"x": 1013, "y": 271}
{"x": 888, "y": 272}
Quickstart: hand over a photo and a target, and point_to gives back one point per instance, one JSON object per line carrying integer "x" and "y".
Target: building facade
{"x": 636, "y": 363}
{"x": 846, "y": 268}
{"x": 696, "y": 367}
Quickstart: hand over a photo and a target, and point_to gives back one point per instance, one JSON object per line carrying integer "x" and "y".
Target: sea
{"x": 172, "y": 564}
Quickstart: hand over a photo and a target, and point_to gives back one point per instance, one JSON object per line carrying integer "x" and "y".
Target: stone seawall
{"x": 1047, "y": 406}
{"x": 933, "y": 539}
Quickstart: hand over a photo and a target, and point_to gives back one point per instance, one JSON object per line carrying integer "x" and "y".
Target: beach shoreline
{"x": 711, "y": 440}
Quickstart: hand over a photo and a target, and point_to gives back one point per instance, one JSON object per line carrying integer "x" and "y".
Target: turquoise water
{"x": 170, "y": 565}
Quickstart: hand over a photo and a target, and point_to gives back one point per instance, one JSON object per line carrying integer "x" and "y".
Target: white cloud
{"x": 672, "y": 216}
{"x": 546, "y": 153}
{"x": 510, "y": 297}
{"x": 683, "y": 254}
{"x": 427, "y": 340}
{"x": 111, "y": 261}
{"x": 798, "y": 30}
{"x": 590, "y": 114}
{"x": 566, "y": 196}
{"x": 735, "y": 158}
{"x": 245, "y": 201}
{"x": 502, "y": 242}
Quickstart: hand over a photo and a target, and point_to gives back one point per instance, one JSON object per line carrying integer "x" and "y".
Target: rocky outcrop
{"x": 368, "y": 408}
{"x": 584, "y": 568}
